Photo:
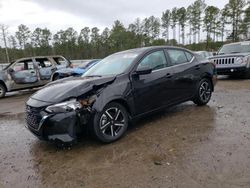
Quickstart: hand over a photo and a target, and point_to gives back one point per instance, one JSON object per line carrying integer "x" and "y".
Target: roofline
{"x": 30, "y": 57}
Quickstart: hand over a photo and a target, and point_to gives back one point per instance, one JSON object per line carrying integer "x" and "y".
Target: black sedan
{"x": 120, "y": 88}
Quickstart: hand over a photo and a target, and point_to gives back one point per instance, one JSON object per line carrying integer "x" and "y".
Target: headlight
{"x": 239, "y": 60}
{"x": 64, "y": 107}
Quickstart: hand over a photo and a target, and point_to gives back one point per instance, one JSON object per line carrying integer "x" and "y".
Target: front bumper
{"x": 63, "y": 127}
{"x": 230, "y": 70}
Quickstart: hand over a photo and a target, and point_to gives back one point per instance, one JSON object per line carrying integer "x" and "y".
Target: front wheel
{"x": 111, "y": 123}
{"x": 203, "y": 92}
{"x": 2, "y": 91}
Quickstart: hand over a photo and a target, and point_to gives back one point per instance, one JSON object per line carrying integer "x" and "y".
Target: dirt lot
{"x": 184, "y": 146}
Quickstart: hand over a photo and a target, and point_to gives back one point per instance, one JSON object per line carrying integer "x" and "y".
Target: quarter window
{"x": 155, "y": 61}
{"x": 189, "y": 56}
{"x": 177, "y": 57}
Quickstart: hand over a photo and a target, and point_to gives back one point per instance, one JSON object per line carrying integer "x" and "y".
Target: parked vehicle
{"x": 30, "y": 72}
{"x": 205, "y": 54}
{"x": 233, "y": 59}
{"x": 120, "y": 88}
{"x": 76, "y": 71}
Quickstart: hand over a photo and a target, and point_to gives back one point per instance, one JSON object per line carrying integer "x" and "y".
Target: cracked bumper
{"x": 62, "y": 127}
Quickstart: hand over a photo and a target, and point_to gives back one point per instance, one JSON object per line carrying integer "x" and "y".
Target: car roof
{"x": 49, "y": 56}
{"x": 145, "y": 49}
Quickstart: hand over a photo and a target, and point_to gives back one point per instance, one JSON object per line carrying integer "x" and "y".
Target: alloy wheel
{"x": 205, "y": 92}
{"x": 112, "y": 122}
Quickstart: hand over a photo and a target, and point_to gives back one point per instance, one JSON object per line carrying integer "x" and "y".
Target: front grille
{"x": 224, "y": 61}
{"x": 33, "y": 117}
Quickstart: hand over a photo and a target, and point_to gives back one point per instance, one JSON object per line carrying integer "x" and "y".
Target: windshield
{"x": 6, "y": 67}
{"x": 242, "y": 47}
{"x": 112, "y": 65}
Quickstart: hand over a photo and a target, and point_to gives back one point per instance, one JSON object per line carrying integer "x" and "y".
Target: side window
{"x": 60, "y": 61}
{"x": 155, "y": 61}
{"x": 177, "y": 57}
{"x": 189, "y": 56}
{"x": 43, "y": 63}
{"x": 23, "y": 66}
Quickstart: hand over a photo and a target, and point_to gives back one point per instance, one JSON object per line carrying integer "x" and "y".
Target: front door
{"x": 153, "y": 90}
{"x": 24, "y": 72}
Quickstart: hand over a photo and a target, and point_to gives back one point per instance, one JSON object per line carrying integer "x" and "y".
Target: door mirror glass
{"x": 142, "y": 70}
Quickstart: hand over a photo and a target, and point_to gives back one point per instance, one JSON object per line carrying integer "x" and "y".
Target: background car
{"x": 76, "y": 71}
{"x": 120, "y": 88}
{"x": 30, "y": 72}
{"x": 233, "y": 59}
{"x": 205, "y": 54}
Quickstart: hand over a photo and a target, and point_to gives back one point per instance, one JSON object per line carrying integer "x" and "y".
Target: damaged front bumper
{"x": 63, "y": 127}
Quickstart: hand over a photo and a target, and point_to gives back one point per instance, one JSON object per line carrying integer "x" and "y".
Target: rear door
{"x": 184, "y": 73}
{"x": 45, "y": 68}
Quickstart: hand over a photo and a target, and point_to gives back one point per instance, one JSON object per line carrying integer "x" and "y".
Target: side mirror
{"x": 143, "y": 70}
{"x": 10, "y": 70}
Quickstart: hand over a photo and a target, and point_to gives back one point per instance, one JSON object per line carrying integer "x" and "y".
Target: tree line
{"x": 178, "y": 26}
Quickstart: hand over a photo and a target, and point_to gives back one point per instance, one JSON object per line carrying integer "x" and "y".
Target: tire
{"x": 2, "y": 91}
{"x": 56, "y": 77}
{"x": 203, "y": 92}
{"x": 111, "y": 124}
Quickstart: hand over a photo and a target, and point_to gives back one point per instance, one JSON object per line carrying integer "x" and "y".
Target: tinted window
{"x": 155, "y": 61}
{"x": 177, "y": 57}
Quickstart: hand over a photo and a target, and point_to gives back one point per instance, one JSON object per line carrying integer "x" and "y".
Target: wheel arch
{"x": 2, "y": 83}
{"x": 207, "y": 76}
{"x": 124, "y": 103}
{"x": 54, "y": 75}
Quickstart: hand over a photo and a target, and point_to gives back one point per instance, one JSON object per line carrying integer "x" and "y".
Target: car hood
{"x": 230, "y": 55}
{"x": 64, "y": 89}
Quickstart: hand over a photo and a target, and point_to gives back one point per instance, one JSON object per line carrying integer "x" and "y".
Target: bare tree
{"x": 4, "y": 33}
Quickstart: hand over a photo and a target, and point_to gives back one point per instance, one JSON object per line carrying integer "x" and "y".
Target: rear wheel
{"x": 111, "y": 123}
{"x": 56, "y": 77}
{"x": 203, "y": 92}
{"x": 2, "y": 91}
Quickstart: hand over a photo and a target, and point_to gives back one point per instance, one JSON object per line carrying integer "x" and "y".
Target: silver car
{"x": 30, "y": 72}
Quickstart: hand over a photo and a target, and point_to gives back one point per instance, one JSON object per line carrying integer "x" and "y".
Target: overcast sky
{"x": 61, "y": 14}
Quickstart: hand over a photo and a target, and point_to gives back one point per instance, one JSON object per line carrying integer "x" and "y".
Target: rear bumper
{"x": 231, "y": 70}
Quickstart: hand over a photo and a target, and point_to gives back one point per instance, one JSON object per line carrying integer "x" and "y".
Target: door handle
{"x": 168, "y": 75}
{"x": 32, "y": 72}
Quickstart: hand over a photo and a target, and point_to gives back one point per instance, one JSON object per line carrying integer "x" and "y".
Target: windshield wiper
{"x": 235, "y": 52}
